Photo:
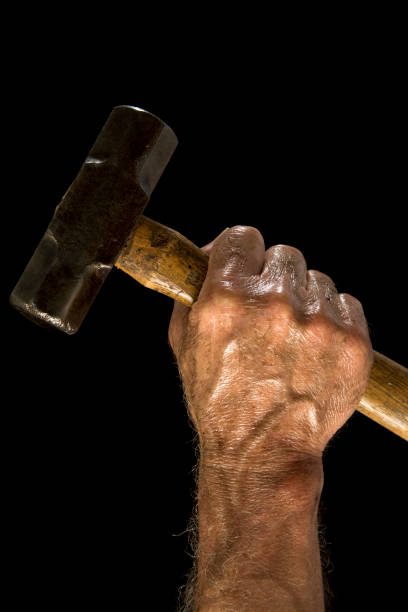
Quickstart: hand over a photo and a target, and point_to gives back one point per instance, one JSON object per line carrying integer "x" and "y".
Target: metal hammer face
{"x": 94, "y": 219}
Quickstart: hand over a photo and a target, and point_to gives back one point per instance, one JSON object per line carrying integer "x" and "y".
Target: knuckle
{"x": 320, "y": 278}
{"x": 320, "y": 329}
{"x": 236, "y": 252}
{"x": 282, "y": 316}
{"x": 358, "y": 350}
{"x": 350, "y": 301}
{"x": 325, "y": 335}
{"x": 240, "y": 231}
{"x": 352, "y": 313}
{"x": 217, "y": 312}
{"x": 226, "y": 285}
{"x": 286, "y": 252}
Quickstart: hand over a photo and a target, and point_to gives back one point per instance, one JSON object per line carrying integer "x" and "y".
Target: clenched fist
{"x": 273, "y": 360}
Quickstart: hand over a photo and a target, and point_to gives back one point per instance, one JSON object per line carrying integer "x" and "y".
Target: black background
{"x": 296, "y": 135}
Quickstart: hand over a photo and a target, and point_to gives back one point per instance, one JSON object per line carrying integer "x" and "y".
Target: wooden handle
{"x": 162, "y": 259}
{"x": 386, "y": 398}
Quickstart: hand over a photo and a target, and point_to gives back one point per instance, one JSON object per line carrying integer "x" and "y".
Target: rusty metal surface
{"x": 94, "y": 219}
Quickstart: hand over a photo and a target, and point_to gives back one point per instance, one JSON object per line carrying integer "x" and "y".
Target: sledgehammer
{"x": 99, "y": 224}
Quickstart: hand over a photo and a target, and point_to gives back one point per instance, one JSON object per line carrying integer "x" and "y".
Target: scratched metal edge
{"x": 41, "y": 318}
{"x": 149, "y": 168}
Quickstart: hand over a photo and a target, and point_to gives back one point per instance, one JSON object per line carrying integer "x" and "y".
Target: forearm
{"x": 258, "y": 540}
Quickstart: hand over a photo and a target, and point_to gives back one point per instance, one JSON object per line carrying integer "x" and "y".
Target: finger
{"x": 207, "y": 247}
{"x": 239, "y": 251}
{"x": 352, "y": 312}
{"x": 321, "y": 294}
{"x": 284, "y": 269}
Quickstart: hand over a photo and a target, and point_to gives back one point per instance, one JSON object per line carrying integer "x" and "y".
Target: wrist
{"x": 257, "y": 526}
{"x": 259, "y": 432}
{"x": 261, "y": 456}
{"x": 292, "y": 478}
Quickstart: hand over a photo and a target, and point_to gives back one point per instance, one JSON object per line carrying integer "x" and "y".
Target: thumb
{"x": 207, "y": 248}
{"x": 180, "y": 312}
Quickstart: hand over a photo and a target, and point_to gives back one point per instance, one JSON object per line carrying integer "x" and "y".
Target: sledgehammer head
{"x": 94, "y": 219}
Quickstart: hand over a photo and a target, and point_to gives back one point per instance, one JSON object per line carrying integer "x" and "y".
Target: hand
{"x": 272, "y": 359}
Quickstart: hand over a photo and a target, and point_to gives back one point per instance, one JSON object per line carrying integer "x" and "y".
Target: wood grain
{"x": 162, "y": 259}
{"x": 386, "y": 397}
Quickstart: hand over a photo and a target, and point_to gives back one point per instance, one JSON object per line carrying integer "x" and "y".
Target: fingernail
{"x": 224, "y": 230}
{"x": 211, "y": 244}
